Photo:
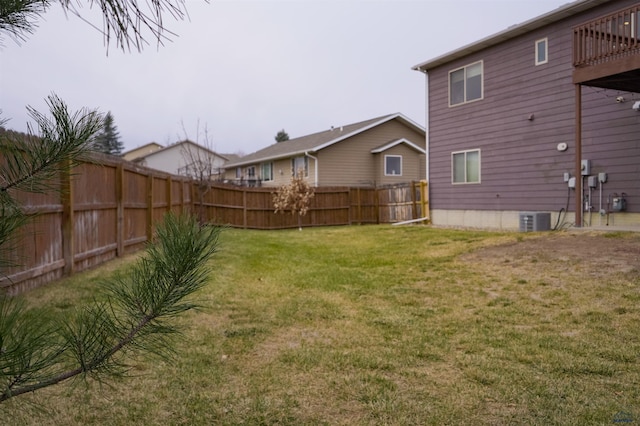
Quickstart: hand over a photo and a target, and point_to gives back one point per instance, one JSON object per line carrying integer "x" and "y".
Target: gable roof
{"x": 150, "y": 145}
{"x": 398, "y": 142}
{"x": 317, "y": 141}
{"x": 180, "y": 144}
{"x": 556, "y": 15}
{"x": 141, "y": 151}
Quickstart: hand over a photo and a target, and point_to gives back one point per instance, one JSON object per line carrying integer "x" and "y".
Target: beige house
{"x": 380, "y": 151}
{"x": 141, "y": 151}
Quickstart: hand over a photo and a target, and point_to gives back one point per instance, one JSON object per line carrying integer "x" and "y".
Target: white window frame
{"x": 464, "y": 94}
{"x": 386, "y": 171}
{"x": 546, "y": 51}
{"x": 267, "y": 177}
{"x": 305, "y": 161}
{"x": 238, "y": 172}
{"x": 466, "y": 178}
{"x": 251, "y": 172}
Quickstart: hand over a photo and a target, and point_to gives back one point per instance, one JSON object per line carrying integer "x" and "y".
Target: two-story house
{"x": 539, "y": 122}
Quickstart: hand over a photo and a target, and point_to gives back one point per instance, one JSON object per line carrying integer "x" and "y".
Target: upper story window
{"x": 266, "y": 171}
{"x": 542, "y": 51}
{"x": 465, "y": 84}
{"x": 393, "y": 165}
{"x": 465, "y": 166}
{"x": 300, "y": 163}
{"x": 251, "y": 172}
{"x": 238, "y": 172}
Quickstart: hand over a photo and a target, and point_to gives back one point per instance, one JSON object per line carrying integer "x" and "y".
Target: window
{"x": 465, "y": 84}
{"x": 465, "y": 166}
{"x": 238, "y": 172}
{"x": 251, "y": 172}
{"x": 393, "y": 165}
{"x": 542, "y": 52}
{"x": 300, "y": 163}
{"x": 267, "y": 171}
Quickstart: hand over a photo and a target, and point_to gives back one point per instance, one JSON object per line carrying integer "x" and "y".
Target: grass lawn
{"x": 382, "y": 325}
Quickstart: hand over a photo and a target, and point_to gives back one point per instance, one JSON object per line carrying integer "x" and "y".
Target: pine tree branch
{"x": 31, "y": 162}
{"x": 139, "y": 301}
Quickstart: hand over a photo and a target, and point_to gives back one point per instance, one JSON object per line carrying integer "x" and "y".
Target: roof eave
{"x": 397, "y": 142}
{"x": 555, "y": 15}
{"x": 317, "y": 148}
{"x": 269, "y": 158}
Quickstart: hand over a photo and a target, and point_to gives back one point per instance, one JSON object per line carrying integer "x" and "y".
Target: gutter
{"x": 427, "y": 137}
{"x": 306, "y": 154}
{"x": 562, "y": 12}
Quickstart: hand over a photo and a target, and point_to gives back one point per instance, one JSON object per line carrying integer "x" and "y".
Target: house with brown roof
{"x": 536, "y": 127}
{"x": 380, "y": 151}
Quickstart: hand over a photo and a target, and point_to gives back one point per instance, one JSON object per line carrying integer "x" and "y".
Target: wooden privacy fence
{"x": 107, "y": 207}
{"x": 250, "y": 207}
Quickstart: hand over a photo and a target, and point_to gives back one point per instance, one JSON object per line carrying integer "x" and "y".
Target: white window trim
{"x": 385, "y": 165}
{"x": 305, "y": 162}
{"x": 465, "y": 101}
{"x": 546, "y": 51}
{"x": 267, "y": 178}
{"x": 465, "y": 167}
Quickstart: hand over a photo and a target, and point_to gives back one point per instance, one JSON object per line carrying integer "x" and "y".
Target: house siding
{"x": 173, "y": 158}
{"x": 351, "y": 162}
{"x": 521, "y": 169}
{"x": 412, "y": 165}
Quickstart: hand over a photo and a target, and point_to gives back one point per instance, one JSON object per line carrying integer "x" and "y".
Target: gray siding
{"x": 520, "y": 166}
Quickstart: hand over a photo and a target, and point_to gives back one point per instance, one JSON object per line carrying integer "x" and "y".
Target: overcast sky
{"x": 246, "y": 69}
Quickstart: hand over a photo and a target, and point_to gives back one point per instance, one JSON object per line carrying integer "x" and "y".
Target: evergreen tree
{"x": 282, "y": 136}
{"x": 108, "y": 141}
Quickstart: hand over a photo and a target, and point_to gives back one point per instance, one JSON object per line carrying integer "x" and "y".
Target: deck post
{"x": 578, "y": 172}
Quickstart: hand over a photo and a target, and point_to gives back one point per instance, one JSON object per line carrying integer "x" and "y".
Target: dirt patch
{"x": 589, "y": 253}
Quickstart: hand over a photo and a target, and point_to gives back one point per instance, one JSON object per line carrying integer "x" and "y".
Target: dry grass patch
{"x": 387, "y": 325}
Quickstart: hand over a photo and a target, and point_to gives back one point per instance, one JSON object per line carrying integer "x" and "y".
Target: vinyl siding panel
{"x": 351, "y": 162}
{"x": 521, "y": 168}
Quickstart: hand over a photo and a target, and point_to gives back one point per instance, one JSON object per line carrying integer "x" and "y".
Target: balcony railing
{"x": 607, "y": 38}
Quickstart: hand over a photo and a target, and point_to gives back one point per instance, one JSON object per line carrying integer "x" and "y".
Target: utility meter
{"x": 618, "y": 203}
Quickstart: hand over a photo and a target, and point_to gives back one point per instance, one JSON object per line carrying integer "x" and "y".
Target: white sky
{"x": 246, "y": 69}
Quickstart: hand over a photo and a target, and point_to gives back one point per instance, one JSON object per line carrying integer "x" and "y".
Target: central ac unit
{"x": 535, "y": 221}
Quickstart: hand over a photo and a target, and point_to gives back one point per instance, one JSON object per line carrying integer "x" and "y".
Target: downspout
{"x": 315, "y": 168}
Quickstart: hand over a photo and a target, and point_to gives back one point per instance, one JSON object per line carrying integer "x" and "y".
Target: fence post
{"x": 120, "y": 209}
{"x": 244, "y": 208}
{"x": 359, "y": 206}
{"x": 424, "y": 198}
{"x": 169, "y": 190}
{"x": 68, "y": 246}
{"x": 414, "y": 203}
{"x": 376, "y": 201}
{"x": 149, "y": 207}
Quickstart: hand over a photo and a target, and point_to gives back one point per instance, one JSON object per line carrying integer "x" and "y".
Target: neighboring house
{"x": 541, "y": 117}
{"x": 141, "y": 151}
{"x": 379, "y": 151}
{"x": 186, "y": 158}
